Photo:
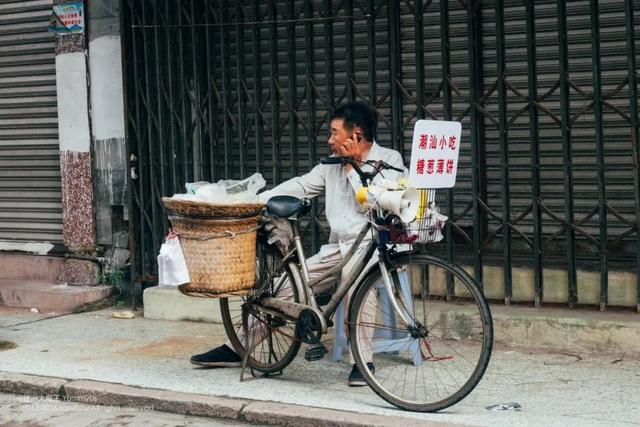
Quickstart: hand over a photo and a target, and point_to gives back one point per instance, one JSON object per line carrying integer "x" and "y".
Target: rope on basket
{"x": 226, "y": 233}
{"x": 208, "y": 293}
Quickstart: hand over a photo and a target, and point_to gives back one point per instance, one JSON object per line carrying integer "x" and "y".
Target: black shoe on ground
{"x": 220, "y": 357}
{"x": 355, "y": 377}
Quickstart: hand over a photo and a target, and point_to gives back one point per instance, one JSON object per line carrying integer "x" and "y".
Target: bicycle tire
{"x": 449, "y": 361}
{"x": 282, "y": 345}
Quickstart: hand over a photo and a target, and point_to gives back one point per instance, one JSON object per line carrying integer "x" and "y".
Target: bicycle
{"x": 431, "y": 327}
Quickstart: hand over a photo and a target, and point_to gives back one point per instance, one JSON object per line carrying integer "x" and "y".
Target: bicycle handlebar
{"x": 377, "y": 165}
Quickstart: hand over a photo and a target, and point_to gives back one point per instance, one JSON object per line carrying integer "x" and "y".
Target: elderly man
{"x": 352, "y": 133}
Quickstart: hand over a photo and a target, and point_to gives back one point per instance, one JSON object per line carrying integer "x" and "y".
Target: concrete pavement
{"x": 563, "y": 388}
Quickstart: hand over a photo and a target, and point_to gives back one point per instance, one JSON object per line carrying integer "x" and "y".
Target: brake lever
{"x": 380, "y": 165}
{"x": 393, "y": 168}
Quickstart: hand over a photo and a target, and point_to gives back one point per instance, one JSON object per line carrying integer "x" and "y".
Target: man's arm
{"x": 308, "y": 185}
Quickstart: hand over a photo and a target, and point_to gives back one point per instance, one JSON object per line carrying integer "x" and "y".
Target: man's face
{"x": 337, "y": 135}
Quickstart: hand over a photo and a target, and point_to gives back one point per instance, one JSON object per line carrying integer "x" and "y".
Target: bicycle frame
{"x": 301, "y": 273}
{"x": 293, "y": 309}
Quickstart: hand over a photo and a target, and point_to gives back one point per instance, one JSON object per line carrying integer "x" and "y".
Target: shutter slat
{"x": 30, "y": 188}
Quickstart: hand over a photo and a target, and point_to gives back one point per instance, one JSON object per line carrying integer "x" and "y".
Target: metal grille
{"x": 30, "y": 188}
{"x": 549, "y": 161}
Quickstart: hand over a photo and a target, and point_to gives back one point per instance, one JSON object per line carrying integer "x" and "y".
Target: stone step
{"x": 49, "y": 297}
{"x": 15, "y": 266}
{"x": 551, "y": 329}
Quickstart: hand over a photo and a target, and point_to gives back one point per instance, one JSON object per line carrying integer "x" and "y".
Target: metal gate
{"x": 30, "y": 188}
{"x": 546, "y": 92}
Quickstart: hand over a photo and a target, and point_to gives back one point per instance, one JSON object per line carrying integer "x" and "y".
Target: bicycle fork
{"x": 388, "y": 286}
{"x": 406, "y": 314}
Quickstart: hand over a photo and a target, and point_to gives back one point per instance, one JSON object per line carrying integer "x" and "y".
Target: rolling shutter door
{"x": 30, "y": 188}
{"x": 619, "y": 167}
{"x": 617, "y": 152}
{"x": 227, "y": 80}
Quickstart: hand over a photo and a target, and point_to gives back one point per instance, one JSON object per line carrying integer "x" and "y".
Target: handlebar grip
{"x": 331, "y": 161}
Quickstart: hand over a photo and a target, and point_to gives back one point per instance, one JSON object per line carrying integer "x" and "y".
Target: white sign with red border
{"x": 434, "y": 154}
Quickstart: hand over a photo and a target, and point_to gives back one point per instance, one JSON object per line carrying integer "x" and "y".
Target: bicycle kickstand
{"x": 245, "y": 358}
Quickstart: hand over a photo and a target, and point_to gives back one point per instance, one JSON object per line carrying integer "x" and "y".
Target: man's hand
{"x": 352, "y": 147}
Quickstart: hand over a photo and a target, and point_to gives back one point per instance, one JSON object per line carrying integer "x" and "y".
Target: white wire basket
{"x": 429, "y": 222}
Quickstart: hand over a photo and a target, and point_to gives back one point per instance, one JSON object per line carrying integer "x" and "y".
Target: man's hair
{"x": 357, "y": 114}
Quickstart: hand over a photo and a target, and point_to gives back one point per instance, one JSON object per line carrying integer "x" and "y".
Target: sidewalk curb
{"x": 285, "y": 414}
{"x": 31, "y": 385}
{"x": 250, "y": 411}
{"x": 118, "y": 395}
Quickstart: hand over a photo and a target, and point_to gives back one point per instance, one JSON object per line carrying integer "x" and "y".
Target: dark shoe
{"x": 220, "y": 357}
{"x": 355, "y": 377}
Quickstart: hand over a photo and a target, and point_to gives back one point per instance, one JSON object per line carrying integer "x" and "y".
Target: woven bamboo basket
{"x": 198, "y": 209}
{"x": 220, "y": 254}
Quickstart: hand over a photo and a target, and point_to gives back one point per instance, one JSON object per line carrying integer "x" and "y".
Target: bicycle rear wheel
{"x": 438, "y": 358}
{"x": 272, "y": 339}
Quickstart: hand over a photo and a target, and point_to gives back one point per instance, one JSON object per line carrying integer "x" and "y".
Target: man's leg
{"x": 368, "y": 316}
{"x": 317, "y": 266}
{"x": 225, "y": 356}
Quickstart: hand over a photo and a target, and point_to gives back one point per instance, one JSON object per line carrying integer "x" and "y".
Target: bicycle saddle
{"x": 287, "y": 206}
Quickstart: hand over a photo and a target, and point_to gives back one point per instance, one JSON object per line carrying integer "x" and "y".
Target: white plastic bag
{"x": 249, "y": 187}
{"x": 429, "y": 228}
{"x": 213, "y": 193}
{"x": 172, "y": 268}
{"x": 227, "y": 190}
{"x": 192, "y": 187}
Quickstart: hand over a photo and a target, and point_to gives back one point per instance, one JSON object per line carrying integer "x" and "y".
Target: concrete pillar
{"x": 75, "y": 142}
{"x": 74, "y": 133}
{"x": 108, "y": 128}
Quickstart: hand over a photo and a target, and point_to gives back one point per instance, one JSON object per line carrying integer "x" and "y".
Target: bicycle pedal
{"x": 315, "y": 352}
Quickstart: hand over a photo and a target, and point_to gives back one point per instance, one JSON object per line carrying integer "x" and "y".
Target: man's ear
{"x": 358, "y": 132}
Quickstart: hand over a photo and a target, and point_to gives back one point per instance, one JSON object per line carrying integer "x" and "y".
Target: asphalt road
{"x": 43, "y": 411}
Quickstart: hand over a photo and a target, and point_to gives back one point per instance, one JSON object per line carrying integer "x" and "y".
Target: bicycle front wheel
{"x": 436, "y": 359}
{"x": 272, "y": 341}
